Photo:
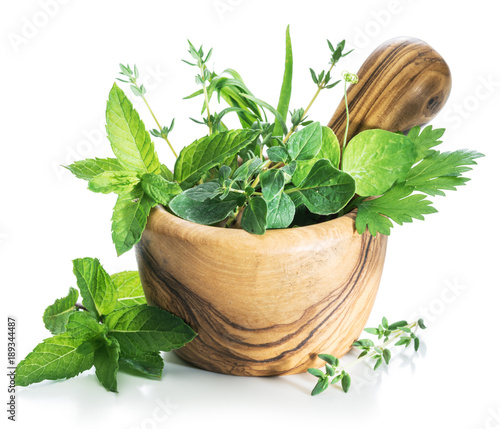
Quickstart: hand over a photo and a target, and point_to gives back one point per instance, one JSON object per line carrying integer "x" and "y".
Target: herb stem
{"x": 347, "y": 114}
{"x": 209, "y": 122}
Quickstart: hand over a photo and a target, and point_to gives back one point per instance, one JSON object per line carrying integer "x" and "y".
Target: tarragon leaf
{"x": 397, "y": 204}
{"x": 106, "y": 363}
{"x": 144, "y": 329}
{"x": 97, "y": 290}
{"x": 306, "y": 143}
{"x": 325, "y": 190}
{"x": 129, "y": 139}
{"x": 56, "y": 315}
{"x": 330, "y": 150}
{"x": 159, "y": 189}
{"x": 114, "y": 181}
{"x": 128, "y": 289}
{"x": 150, "y": 364}
{"x": 376, "y": 159}
{"x": 87, "y": 169}
{"x": 207, "y": 152}
{"x": 254, "y": 219}
{"x": 129, "y": 218}
{"x": 53, "y": 359}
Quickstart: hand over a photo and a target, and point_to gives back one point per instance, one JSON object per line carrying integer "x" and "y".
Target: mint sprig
{"x": 399, "y": 333}
{"x": 113, "y": 328}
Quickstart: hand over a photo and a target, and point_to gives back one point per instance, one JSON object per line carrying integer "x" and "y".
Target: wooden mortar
{"x": 267, "y": 305}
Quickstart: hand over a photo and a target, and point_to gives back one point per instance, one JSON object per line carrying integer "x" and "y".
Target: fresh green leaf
{"x": 337, "y": 378}
{"x": 272, "y": 183}
{"x": 96, "y": 287}
{"x": 376, "y": 159}
{"x": 421, "y": 324}
{"x": 326, "y": 189}
{"x": 277, "y": 154}
{"x": 145, "y": 329}
{"x": 203, "y": 192}
{"x": 377, "y": 363}
{"x": 87, "y": 169}
{"x": 267, "y": 106}
{"x": 332, "y": 360}
{"x": 247, "y": 169}
{"x": 346, "y": 382}
{"x": 306, "y": 143}
{"x": 416, "y": 343}
{"x": 397, "y": 204}
{"x": 321, "y": 386}
{"x": 129, "y": 218}
{"x": 254, "y": 219}
{"x": 207, "y": 152}
{"x": 330, "y": 150}
{"x": 280, "y": 211}
{"x": 425, "y": 140}
{"x": 363, "y": 343}
{"x": 166, "y": 173}
{"x": 149, "y": 364}
{"x": 128, "y": 289}
{"x": 373, "y": 331}
{"x": 386, "y": 355}
{"x": 106, "y": 363}
{"x": 118, "y": 182}
{"x": 206, "y": 212}
{"x": 441, "y": 171}
{"x": 159, "y": 189}
{"x": 385, "y": 324}
{"x": 316, "y": 372}
{"x": 53, "y": 359}
{"x": 129, "y": 139}
{"x": 397, "y": 325}
{"x": 56, "y": 315}
{"x": 286, "y": 86}
{"x": 83, "y": 326}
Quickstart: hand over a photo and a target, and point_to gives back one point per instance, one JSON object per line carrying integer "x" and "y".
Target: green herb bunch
{"x": 400, "y": 333}
{"x": 112, "y": 328}
{"x": 268, "y": 174}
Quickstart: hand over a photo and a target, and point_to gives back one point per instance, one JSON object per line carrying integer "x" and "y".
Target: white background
{"x": 55, "y": 76}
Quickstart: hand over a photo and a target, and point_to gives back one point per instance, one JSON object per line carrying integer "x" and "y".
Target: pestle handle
{"x": 403, "y": 83}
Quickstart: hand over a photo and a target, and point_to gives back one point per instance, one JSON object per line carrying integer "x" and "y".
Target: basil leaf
{"x": 376, "y": 159}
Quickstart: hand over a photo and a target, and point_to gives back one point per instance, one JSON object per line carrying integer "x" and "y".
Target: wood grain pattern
{"x": 403, "y": 83}
{"x": 262, "y": 305}
{"x": 267, "y": 305}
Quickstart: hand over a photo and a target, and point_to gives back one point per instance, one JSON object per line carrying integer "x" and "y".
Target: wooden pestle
{"x": 403, "y": 83}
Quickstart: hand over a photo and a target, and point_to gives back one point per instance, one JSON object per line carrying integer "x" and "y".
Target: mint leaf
{"x": 306, "y": 143}
{"x": 166, "y": 173}
{"x": 53, "y": 359}
{"x": 87, "y": 169}
{"x": 425, "y": 140}
{"x": 83, "y": 326}
{"x": 330, "y": 150}
{"x": 56, "y": 315}
{"x": 376, "y": 159}
{"x": 97, "y": 289}
{"x": 128, "y": 289}
{"x": 441, "y": 171}
{"x": 129, "y": 218}
{"x": 280, "y": 211}
{"x": 325, "y": 190}
{"x": 254, "y": 219}
{"x": 159, "y": 189}
{"x": 114, "y": 181}
{"x": 207, "y": 152}
{"x": 205, "y": 212}
{"x": 129, "y": 139}
{"x": 106, "y": 363}
{"x": 397, "y": 204}
{"x": 144, "y": 329}
{"x": 150, "y": 364}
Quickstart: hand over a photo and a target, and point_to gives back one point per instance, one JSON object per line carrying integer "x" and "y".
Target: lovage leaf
{"x": 376, "y": 159}
{"x": 114, "y": 181}
{"x": 129, "y": 218}
{"x": 254, "y": 219}
{"x": 207, "y": 152}
{"x": 87, "y": 169}
{"x": 128, "y": 289}
{"x": 397, "y": 204}
{"x": 106, "y": 363}
{"x": 144, "y": 329}
{"x": 159, "y": 189}
{"x": 56, "y": 315}
{"x": 326, "y": 189}
{"x": 306, "y": 143}
{"x": 53, "y": 359}
{"x": 129, "y": 139}
{"x": 330, "y": 150}
{"x": 97, "y": 290}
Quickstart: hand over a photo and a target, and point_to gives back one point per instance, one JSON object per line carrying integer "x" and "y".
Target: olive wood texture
{"x": 403, "y": 83}
{"x": 267, "y": 305}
